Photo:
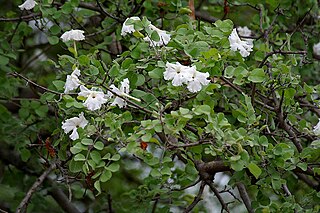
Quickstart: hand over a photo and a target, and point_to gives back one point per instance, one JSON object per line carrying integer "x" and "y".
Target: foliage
{"x": 254, "y": 120}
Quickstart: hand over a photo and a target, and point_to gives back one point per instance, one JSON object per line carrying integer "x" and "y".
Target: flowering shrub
{"x": 137, "y": 107}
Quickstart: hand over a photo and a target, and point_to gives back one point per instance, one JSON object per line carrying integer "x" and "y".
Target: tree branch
{"x": 197, "y": 199}
{"x": 217, "y": 194}
{"x": 245, "y": 197}
{"x": 24, "y": 203}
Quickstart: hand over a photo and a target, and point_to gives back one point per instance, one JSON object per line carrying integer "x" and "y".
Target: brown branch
{"x": 245, "y": 197}
{"x": 60, "y": 197}
{"x": 240, "y": 91}
{"x": 197, "y": 199}
{"x": 205, "y": 16}
{"x": 217, "y": 194}
{"x": 15, "y": 74}
{"x": 24, "y": 18}
{"x": 24, "y": 203}
{"x": 10, "y": 157}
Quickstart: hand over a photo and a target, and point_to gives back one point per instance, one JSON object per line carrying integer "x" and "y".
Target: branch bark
{"x": 24, "y": 203}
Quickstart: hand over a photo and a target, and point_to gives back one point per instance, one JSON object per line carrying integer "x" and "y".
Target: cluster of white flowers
{"x": 316, "y": 49}
{"x": 73, "y": 124}
{"x": 245, "y": 47}
{"x": 165, "y": 37}
{"x": 73, "y": 35}
{"x": 95, "y": 98}
{"x": 123, "y": 91}
{"x": 28, "y": 5}
{"x": 129, "y": 28}
{"x": 72, "y": 81}
{"x": 180, "y": 74}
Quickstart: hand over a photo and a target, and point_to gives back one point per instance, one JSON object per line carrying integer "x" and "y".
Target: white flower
{"x": 198, "y": 79}
{"x": 72, "y": 81}
{"x": 316, "y": 49}
{"x": 316, "y": 129}
{"x": 244, "y": 31}
{"x": 124, "y": 89}
{"x": 128, "y": 28}
{"x": 95, "y": 98}
{"x": 76, "y": 35}
{"x": 244, "y": 47}
{"x": 73, "y": 124}
{"x": 164, "y": 37}
{"x": 178, "y": 73}
{"x": 27, "y": 5}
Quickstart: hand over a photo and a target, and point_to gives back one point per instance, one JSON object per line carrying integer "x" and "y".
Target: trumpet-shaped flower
{"x": 124, "y": 89}
{"x": 197, "y": 80}
{"x": 72, "y": 124}
{"x": 73, "y": 35}
{"x": 316, "y": 49}
{"x": 316, "y": 129}
{"x": 27, "y": 5}
{"x": 164, "y": 37}
{"x": 129, "y": 28}
{"x": 95, "y": 98}
{"x": 236, "y": 43}
{"x": 72, "y": 81}
{"x": 178, "y": 73}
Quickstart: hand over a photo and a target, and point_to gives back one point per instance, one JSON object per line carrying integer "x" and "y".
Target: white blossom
{"x": 124, "y": 89}
{"x": 198, "y": 79}
{"x": 316, "y": 129}
{"x": 164, "y": 37}
{"x": 244, "y": 31}
{"x": 236, "y": 43}
{"x": 27, "y": 5}
{"x": 72, "y": 81}
{"x": 73, "y": 35}
{"x": 95, "y": 98}
{"x": 178, "y": 73}
{"x": 129, "y": 28}
{"x": 316, "y": 49}
{"x": 73, "y": 124}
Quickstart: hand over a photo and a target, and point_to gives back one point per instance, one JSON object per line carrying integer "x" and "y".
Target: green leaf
{"x": 95, "y": 156}
{"x": 4, "y": 60}
{"x": 97, "y": 186}
{"x": 126, "y": 63}
{"x": 255, "y": 170}
{"x": 79, "y": 157}
{"x": 75, "y": 166}
{"x": 53, "y": 40}
{"x": 87, "y": 141}
{"x": 98, "y": 145}
{"x": 257, "y": 75}
{"x": 202, "y": 109}
{"x": 55, "y": 29}
{"x": 155, "y": 36}
{"x": 107, "y": 156}
{"x": 157, "y": 73}
{"x": 113, "y": 167}
{"x": 25, "y": 154}
{"x": 59, "y": 84}
{"x": 105, "y": 176}
{"x": 115, "y": 157}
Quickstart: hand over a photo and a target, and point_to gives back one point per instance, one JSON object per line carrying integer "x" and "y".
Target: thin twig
{"x": 15, "y": 74}
{"x": 24, "y": 203}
